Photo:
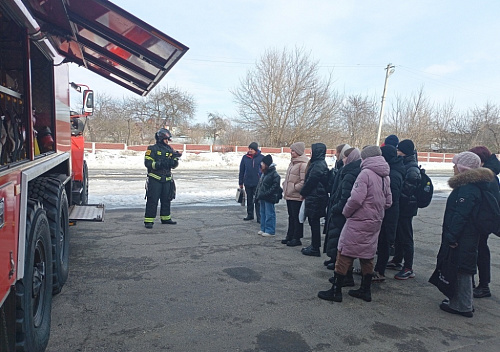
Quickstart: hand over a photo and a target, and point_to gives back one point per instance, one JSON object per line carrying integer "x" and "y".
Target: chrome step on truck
{"x": 87, "y": 212}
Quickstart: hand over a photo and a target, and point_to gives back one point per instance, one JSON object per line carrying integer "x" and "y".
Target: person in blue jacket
{"x": 249, "y": 178}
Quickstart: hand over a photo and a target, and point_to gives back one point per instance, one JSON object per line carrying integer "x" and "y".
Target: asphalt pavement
{"x": 210, "y": 283}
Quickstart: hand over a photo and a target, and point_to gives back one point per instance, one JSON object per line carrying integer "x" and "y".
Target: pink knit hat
{"x": 466, "y": 161}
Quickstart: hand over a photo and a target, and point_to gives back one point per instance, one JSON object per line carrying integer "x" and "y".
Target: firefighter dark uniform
{"x": 160, "y": 159}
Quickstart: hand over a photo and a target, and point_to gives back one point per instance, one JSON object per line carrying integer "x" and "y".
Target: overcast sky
{"x": 450, "y": 47}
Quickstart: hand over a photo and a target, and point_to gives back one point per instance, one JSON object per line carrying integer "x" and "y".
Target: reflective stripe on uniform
{"x": 149, "y": 219}
{"x": 155, "y": 176}
{"x": 165, "y": 217}
{"x": 158, "y": 177}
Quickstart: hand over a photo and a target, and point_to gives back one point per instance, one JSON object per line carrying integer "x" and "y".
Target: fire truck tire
{"x": 52, "y": 194}
{"x": 85, "y": 184}
{"x": 34, "y": 290}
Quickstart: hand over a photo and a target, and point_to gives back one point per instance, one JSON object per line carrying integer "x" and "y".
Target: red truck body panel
{"x": 35, "y": 101}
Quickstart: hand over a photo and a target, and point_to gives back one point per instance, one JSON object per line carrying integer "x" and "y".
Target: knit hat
{"x": 339, "y": 148}
{"x": 392, "y": 140}
{"x": 268, "y": 159}
{"x": 254, "y": 146}
{"x": 466, "y": 161}
{"x": 298, "y": 147}
{"x": 370, "y": 150}
{"x": 346, "y": 146}
{"x": 407, "y": 147}
{"x": 481, "y": 151}
{"x": 389, "y": 152}
{"x": 353, "y": 154}
{"x": 348, "y": 151}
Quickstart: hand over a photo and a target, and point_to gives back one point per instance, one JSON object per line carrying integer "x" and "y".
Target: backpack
{"x": 278, "y": 196}
{"x": 425, "y": 190}
{"x": 487, "y": 216}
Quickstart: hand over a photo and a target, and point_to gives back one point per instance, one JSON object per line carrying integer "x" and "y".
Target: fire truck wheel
{"x": 85, "y": 184}
{"x": 34, "y": 290}
{"x": 52, "y": 194}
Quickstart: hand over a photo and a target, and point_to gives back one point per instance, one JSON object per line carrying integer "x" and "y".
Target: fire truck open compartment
{"x": 12, "y": 92}
{"x": 19, "y": 127}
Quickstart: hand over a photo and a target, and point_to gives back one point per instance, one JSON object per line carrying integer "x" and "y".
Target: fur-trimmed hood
{"x": 480, "y": 174}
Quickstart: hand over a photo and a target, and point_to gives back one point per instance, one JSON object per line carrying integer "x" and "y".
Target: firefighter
{"x": 160, "y": 159}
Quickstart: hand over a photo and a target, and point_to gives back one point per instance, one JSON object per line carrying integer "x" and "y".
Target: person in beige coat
{"x": 294, "y": 180}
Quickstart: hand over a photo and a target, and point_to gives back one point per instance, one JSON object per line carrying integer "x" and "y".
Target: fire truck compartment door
{"x": 88, "y": 212}
{"x": 109, "y": 41}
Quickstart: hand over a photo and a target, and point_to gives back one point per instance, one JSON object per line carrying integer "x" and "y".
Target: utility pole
{"x": 389, "y": 70}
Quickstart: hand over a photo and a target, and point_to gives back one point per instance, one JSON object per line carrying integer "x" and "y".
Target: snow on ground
{"x": 128, "y": 159}
{"x": 117, "y": 178}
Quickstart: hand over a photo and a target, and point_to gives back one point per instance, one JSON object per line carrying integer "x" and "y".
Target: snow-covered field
{"x": 117, "y": 178}
{"x": 120, "y": 160}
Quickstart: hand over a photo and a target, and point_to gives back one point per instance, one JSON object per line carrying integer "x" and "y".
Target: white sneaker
{"x": 265, "y": 234}
{"x": 260, "y": 233}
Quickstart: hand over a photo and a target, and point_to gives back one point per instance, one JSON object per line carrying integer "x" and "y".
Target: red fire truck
{"x": 43, "y": 177}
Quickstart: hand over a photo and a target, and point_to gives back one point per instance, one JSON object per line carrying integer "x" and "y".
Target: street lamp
{"x": 389, "y": 70}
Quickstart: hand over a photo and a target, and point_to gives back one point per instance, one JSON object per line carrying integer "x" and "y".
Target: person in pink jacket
{"x": 364, "y": 212}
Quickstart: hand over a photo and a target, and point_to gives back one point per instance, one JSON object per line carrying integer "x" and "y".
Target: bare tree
{"x": 107, "y": 123}
{"x": 488, "y": 130}
{"x": 197, "y": 133}
{"x": 442, "y": 120}
{"x": 359, "y": 115}
{"x": 463, "y": 130}
{"x": 165, "y": 107}
{"x": 170, "y": 106}
{"x": 283, "y": 98}
{"x": 411, "y": 118}
{"x": 217, "y": 125}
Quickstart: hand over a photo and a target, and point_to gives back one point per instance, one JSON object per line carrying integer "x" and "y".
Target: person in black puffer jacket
{"x": 333, "y": 185}
{"x": 315, "y": 194}
{"x": 268, "y": 193}
{"x": 390, "y": 223}
{"x": 404, "y": 247}
{"x": 335, "y": 219}
{"x": 490, "y": 161}
{"x": 460, "y": 234}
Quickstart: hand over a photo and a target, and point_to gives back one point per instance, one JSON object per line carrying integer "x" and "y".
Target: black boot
{"x": 335, "y": 293}
{"x": 349, "y": 279}
{"x": 364, "y": 291}
{"x": 481, "y": 291}
{"x": 311, "y": 251}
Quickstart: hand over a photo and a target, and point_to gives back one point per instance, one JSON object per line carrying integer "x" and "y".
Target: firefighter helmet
{"x": 162, "y": 134}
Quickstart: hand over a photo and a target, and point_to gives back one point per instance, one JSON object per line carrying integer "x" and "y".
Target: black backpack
{"x": 487, "y": 216}
{"x": 425, "y": 190}
{"x": 278, "y": 196}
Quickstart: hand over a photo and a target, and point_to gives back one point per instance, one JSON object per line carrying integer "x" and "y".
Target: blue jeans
{"x": 267, "y": 217}
{"x": 462, "y": 301}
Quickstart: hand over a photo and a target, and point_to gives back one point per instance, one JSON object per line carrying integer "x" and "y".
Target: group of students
{"x": 368, "y": 201}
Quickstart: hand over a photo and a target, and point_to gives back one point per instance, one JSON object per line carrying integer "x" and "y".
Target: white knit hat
{"x": 346, "y": 146}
